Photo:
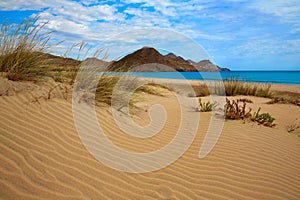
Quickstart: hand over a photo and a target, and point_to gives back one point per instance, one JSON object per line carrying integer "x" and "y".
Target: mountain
{"x": 149, "y": 59}
{"x": 207, "y": 65}
{"x": 61, "y": 62}
{"x": 173, "y": 56}
{"x": 58, "y": 61}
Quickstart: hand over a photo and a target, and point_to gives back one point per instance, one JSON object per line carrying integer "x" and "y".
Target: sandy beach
{"x": 43, "y": 157}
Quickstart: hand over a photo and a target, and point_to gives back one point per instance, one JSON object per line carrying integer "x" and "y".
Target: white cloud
{"x": 266, "y": 47}
{"x": 27, "y": 4}
{"x": 163, "y": 39}
{"x": 285, "y": 9}
{"x": 80, "y": 18}
{"x": 70, "y": 9}
{"x": 288, "y": 11}
{"x": 59, "y": 24}
{"x": 96, "y": 21}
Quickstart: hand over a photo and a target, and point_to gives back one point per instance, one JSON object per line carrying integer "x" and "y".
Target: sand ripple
{"x": 42, "y": 157}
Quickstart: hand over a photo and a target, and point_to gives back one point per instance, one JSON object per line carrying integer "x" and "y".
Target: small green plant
{"x": 264, "y": 118}
{"x": 206, "y": 106}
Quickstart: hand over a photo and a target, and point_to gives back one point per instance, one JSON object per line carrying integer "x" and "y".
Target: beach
{"x": 43, "y": 157}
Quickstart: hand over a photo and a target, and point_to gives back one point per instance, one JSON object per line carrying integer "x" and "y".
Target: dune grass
{"x": 233, "y": 87}
{"x": 105, "y": 89}
{"x": 281, "y": 97}
{"x": 21, "y": 48}
{"x": 24, "y": 56}
{"x": 107, "y": 85}
{"x": 206, "y": 106}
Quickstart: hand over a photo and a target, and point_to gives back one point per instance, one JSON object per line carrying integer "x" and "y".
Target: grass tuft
{"x": 234, "y": 87}
{"x": 21, "y": 48}
{"x": 206, "y": 106}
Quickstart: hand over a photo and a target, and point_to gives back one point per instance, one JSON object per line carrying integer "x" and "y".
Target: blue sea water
{"x": 277, "y": 77}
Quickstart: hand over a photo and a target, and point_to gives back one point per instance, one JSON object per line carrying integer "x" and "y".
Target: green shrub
{"x": 206, "y": 106}
{"x": 264, "y": 118}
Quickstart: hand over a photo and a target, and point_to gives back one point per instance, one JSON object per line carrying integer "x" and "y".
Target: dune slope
{"x": 42, "y": 157}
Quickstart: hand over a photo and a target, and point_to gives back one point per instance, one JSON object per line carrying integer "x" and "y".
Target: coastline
{"x": 261, "y": 77}
{"x": 179, "y": 82}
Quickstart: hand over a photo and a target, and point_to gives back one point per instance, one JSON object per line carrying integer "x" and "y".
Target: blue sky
{"x": 238, "y": 34}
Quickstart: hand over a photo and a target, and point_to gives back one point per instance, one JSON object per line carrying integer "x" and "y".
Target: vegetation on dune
{"x": 233, "y": 87}
{"x": 237, "y": 109}
{"x": 152, "y": 88}
{"x": 286, "y": 97}
{"x": 24, "y": 53}
{"x": 263, "y": 118}
{"x": 206, "y": 106}
{"x": 292, "y": 128}
{"x": 105, "y": 89}
{"x": 129, "y": 86}
{"x": 21, "y": 49}
{"x": 24, "y": 56}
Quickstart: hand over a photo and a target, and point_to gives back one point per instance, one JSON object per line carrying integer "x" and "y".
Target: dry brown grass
{"x": 233, "y": 87}
{"x": 236, "y": 109}
{"x": 21, "y": 48}
{"x": 285, "y": 97}
{"x": 294, "y": 126}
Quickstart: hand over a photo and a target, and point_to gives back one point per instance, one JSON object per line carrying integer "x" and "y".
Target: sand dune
{"x": 42, "y": 156}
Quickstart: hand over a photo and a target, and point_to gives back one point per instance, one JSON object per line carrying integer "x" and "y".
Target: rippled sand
{"x": 42, "y": 156}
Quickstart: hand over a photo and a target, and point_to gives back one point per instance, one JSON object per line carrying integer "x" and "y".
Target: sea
{"x": 275, "y": 77}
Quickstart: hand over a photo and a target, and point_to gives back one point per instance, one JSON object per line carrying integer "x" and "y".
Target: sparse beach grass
{"x": 21, "y": 48}
{"x": 234, "y": 87}
{"x": 206, "y": 106}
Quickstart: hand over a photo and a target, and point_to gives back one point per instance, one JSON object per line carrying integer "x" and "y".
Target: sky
{"x": 237, "y": 34}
